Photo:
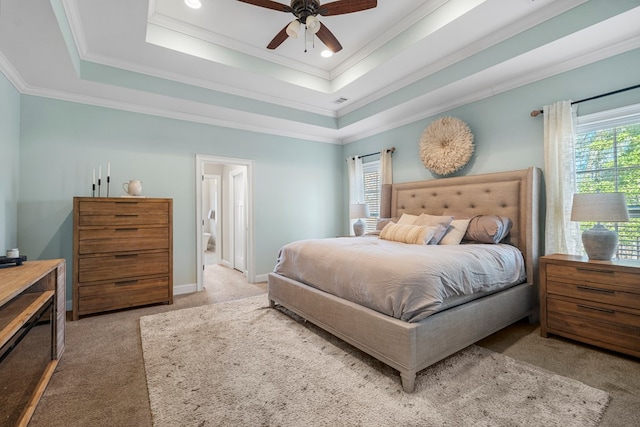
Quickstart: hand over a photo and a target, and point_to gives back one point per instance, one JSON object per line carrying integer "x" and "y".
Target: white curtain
{"x": 386, "y": 167}
{"x": 561, "y": 234}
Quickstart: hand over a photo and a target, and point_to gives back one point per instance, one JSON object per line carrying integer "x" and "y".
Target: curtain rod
{"x": 392, "y": 150}
{"x": 536, "y": 113}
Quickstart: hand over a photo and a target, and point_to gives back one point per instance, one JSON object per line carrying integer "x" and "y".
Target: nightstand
{"x": 595, "y": 302}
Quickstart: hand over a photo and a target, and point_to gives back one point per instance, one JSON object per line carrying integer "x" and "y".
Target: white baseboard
{"x": 184, "y": 289}
{"x": 262, "y": 277}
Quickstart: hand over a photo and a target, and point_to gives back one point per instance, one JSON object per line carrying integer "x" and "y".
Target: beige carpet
{"x": 241, "y": 363}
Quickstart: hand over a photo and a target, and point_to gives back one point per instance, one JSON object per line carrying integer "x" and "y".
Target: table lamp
{"x": 599, "y": 242}
{"x": 359, "y": 211}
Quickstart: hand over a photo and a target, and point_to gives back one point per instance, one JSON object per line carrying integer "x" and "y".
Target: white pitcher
{"x": 133, "y": 187}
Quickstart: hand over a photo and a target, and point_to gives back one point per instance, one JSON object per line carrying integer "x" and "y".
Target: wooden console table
{"x": 26, "y": 291}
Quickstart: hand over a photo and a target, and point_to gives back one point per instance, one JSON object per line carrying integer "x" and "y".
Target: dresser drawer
{"x": 122, "y": 239}
{"x": 114, "y": 213}
{"x": 602, "y": 292}
{"x": 125, "y": 294}
{"x": 122, "y": 266}
{"x": 602, "y": 323}
{"x": 583, "y": 273}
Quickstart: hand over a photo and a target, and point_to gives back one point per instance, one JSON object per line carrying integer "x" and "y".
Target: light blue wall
{"x": 9, "y": 165}
{"x": 297, "y": 183}
{"x": 505, "y": 136}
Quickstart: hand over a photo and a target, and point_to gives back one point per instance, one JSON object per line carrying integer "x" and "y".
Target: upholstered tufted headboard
{"x": 514, "y": 194}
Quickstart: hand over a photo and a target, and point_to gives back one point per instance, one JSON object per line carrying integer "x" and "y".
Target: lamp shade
{"x": 599, "y": 207}
{"x": 293, "y": 29}
{"x": 358, "y": 210}
{"x": 312, "y": 24}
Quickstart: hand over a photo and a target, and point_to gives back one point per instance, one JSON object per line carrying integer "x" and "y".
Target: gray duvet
{"x": 408, "y": 282}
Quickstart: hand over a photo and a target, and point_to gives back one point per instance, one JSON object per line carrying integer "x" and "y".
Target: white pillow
{"x": 406, "y": 233}
{"x": 455, "y": 232}
{"x": 407, "y": 219}
{"x": 440, "y": 221}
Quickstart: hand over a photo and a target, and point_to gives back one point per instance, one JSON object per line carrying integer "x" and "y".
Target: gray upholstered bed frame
{"x": 411, "y": 347}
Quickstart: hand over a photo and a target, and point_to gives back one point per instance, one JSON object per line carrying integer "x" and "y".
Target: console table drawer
{"x": 122, "y": 266}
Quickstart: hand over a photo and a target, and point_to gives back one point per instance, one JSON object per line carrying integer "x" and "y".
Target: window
{"x": 608, "y": 159}
{"x": 371, "y": 172}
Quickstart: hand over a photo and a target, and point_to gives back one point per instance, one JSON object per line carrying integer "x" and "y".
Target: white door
{"x": 239, "y": 222}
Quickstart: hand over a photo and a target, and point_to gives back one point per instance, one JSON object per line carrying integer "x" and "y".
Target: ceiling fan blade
{"x": 279, "y": 38}
{"x": 328, "y": 39}
{"x": 341, "y": 7}
{"x": 269, "y": 5}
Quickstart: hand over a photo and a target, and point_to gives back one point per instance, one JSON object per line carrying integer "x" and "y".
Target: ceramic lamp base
{"x": 600, "y": 243}
{"x": 358, "y": 227}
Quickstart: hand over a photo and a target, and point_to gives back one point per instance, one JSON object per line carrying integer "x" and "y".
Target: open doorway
{"x": 224, "y": 216}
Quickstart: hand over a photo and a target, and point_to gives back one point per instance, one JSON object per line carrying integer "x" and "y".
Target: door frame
{"x": 232, "y": 216}
{"x": 200, "y": 161}
{"x": 218, "y": 229}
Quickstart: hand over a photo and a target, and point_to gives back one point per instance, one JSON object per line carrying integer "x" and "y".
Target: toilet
{"x": 205, "y": 241}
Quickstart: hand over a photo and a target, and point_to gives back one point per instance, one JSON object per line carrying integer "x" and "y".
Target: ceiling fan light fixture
{"x": 326, "y": 53}
{"x": 293, "y": 29}
{"x": 312, "y": 24}
{"x": 193, "y": 4}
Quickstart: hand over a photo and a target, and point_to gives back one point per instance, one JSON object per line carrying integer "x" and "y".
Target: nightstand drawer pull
{"x": 592, "y": 289}
{"x": 603, "y": 310}
{"x": 591, "y": 270}
{"x": 127, "y": 256}
{"x": 127, "y": 229}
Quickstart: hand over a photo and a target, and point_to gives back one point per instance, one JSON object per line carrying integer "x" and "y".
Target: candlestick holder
{"x": 99, "y": 184}
{"x": 108, "y": 181}
{"x": 93, "y": 190}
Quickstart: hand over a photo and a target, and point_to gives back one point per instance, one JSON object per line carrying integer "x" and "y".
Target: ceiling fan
{"x": 306, "y": 12}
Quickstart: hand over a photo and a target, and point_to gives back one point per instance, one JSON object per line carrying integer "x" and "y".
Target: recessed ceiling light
{"x": 326, "y": 53}
{"x": 193, "y": 4}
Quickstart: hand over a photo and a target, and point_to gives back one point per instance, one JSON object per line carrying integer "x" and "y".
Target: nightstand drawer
{"x": 125, "y": 294}
{"x": 601, "y": 323}
{"x": 602, "y": 292}
{"x": 593, "y": 273}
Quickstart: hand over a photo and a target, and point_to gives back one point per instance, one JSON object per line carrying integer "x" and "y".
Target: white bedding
{"x": 408, "y": 282}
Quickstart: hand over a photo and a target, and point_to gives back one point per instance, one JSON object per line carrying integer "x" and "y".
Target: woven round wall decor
{"x": 446, "y": 145}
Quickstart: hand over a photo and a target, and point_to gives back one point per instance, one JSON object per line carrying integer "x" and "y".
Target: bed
{"x": 410, "y": 346}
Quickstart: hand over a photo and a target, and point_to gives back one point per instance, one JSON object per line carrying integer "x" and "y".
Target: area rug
{"x": 242, "y": 363}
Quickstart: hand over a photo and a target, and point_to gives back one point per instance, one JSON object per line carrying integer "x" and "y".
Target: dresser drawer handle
{"x": 126, "y": 229}
{"x": 126, "y": 256}
{"x": 592, "y": 270}
{"x": 126, "y": 215}
{"x": 603, "y": 310}
{"x": 126, "y": 282}
{"x": 592, "y": 289}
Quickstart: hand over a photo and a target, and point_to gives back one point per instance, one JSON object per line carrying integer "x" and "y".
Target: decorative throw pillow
{"x": 384, "y": 221}
{"x": 455, "y": 233}
{"x": 440, "y": 222}
{"x": 405, "y": 233}
{"x": 407, "y": 219}
{"x": 488, "y": 228}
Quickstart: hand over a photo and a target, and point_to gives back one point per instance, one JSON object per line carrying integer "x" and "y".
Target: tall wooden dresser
{"x": 122, "y": 253}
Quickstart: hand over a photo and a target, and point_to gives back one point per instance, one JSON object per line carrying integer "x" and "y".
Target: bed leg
{"x": 272, "y": 303}
{"x": 408, "y": 382}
